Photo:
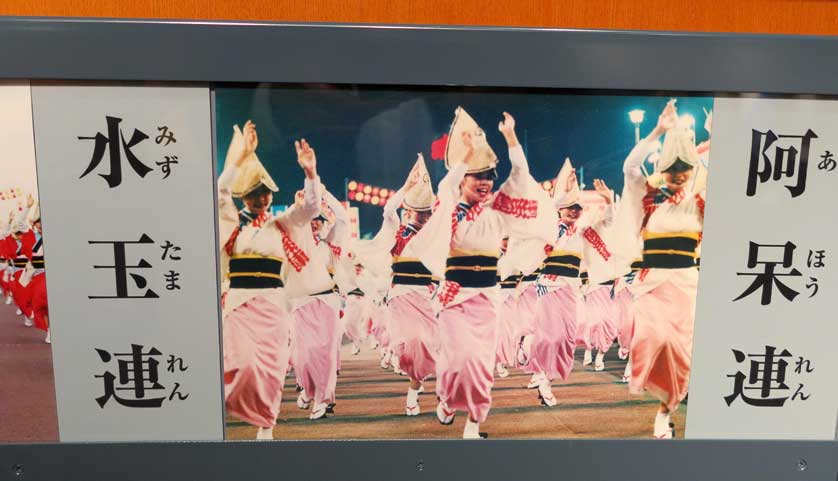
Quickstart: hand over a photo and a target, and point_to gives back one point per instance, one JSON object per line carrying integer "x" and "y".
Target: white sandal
{"x": 545, "y": 394}
{"x": 444, "y": 416}
{"x": 302, "y": 402}
{"x": 319, "y": 412}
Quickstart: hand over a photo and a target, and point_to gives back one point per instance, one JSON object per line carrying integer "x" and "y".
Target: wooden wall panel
{"x": 753, "y": 16}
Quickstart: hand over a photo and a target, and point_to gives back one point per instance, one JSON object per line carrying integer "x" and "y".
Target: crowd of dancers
{"x": 22, "y": 281}
{"x": 463, "y": 284}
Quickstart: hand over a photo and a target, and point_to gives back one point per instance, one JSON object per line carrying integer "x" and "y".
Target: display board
{"x": 335, "y": 253}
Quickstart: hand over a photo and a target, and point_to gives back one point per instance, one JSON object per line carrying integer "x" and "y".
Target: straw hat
{"x": 569, "y": 198}
{"x": 420, "y": 197}
{"x": 456, "y": 149}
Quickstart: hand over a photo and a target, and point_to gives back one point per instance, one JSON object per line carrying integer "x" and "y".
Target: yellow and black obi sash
{"x": 510, "y": 282}
{"x": 673, "y": 250}
{"x": 409, "y": 271}
{"x": 584, "y": 276}
{"x": 255, "y": 272}
{"x": 38, "y": 262}
{"x": 532, "y": 277}
{"x": 471, "y": 268}
{"x": 21, "y": 262}
{"x": 637, "y": 265}
{"x": 562, "y": 264}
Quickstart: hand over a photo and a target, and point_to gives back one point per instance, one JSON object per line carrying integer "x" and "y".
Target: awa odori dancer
{"x": 628, "y": 249}
{"x": 258, "y": 251}
{"x": 32, "y": 283}
{"x": 411, "y": 318}
{"x": 37, "y": 277}
{"x": 358, "y": 308}
{"x": 25, "y": 240}
{"x": 461, "y": 243}
{"x": 548, "y": 353}
{"x": 597, "y": 327}
{"x": 668, "y": 210}
{"x": 315, "y": 293}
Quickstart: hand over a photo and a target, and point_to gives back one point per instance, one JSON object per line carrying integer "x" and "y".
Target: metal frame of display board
{"x": 202, "y": 51}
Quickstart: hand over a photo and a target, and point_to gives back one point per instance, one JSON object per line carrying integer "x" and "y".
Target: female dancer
{"x": 461, "y": 243}
{"x": 411, "y": 315}
{"x": 316, "y": 299}
{"x": 670, "y": 216}
{"x": 548, "y": 353}
{"x": 258, "y": 251}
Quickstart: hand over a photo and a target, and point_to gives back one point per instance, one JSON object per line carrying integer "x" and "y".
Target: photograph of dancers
{"x": 28, "y": 406}
{"x": 522, "y": 264}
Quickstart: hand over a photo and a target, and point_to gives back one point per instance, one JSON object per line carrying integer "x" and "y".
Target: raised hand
{"x": 251, "y": 140}
{"x": 507, "y": 128}
{"x": 708, "y": 122}
{"x": 668, "y": 117}
{"x": 306, "y": 158}
{"x": 507, "y": 125}
{"x": 243, "y": 144}
{"x": 603, "y": 190}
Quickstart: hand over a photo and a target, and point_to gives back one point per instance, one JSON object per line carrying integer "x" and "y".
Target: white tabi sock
{"x": 472, "y": 430}
{"x": 412, "y": 397}
{"x": 599, "y": 364}
{"x": 587, "y": 359}
{"x": 662, "y": 425}
{"x": 265, "y": 433}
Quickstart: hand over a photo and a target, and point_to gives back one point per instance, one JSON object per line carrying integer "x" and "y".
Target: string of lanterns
{"x": 367, "y": 193}
{"x": 376, "y": 195}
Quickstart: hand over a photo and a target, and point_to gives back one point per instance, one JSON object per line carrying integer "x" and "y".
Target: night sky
{"x": 373, "y": 134}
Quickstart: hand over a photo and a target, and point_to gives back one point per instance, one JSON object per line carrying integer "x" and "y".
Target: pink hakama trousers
{"x": 508, "y": 331}
{"x": 597, "y": 328}
{"x": 255, "y": 338}
{"x": 413, "y": 328}
{"x": 555, "y": 334}
{"x": 625, "y": 330}
{"x": 527, "y": 305}
{"x": 356, "y": 315}
{"x": 468, "y": 334}
{"x": 662, "y": 345}
{"x": 379, "y": 326}
{"x": 316, "y": 338}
